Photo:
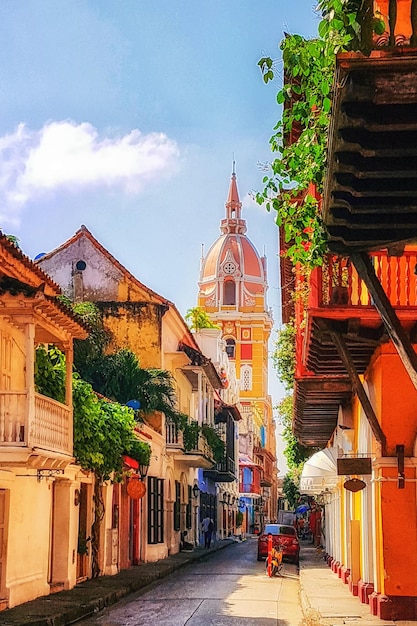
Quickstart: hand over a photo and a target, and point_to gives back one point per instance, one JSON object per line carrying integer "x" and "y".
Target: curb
{"x": 92, "y": 596}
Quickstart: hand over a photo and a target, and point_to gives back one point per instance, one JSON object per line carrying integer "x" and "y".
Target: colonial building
{"x": 39, "y": 482}
{"x": 232, "y": 290}
{"x": 356, "y": 378}
{"x": 151, "y": 326}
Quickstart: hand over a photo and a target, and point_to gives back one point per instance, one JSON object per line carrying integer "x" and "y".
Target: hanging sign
{"x": 354, "y": 484}
{"x": 136, "y": 489}
{"x": 347, "y": 466}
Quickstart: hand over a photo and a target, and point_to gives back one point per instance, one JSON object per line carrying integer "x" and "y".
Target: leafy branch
{"x": 295, "y": 182}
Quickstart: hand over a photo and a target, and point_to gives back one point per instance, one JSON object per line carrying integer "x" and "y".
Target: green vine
{"x": 191, "y": 431}
{"x": 139, "y": 450}
{"x": 50, "y": 373}
{"x": 215, "y": 442}
{"x": 283, "y": 356}
{"x": 295, "y": 181}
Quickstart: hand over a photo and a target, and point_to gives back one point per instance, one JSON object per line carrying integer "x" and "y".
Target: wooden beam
{"x": 398, "y": 335}
{"x": 359, "y": 388}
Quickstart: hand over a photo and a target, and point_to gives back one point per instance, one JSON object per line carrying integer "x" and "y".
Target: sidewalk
{"x": 67, "y": 607}
{"x": 326, "y": 600}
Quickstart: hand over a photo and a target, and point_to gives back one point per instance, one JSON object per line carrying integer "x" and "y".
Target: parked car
{"x": 282, "y": 534}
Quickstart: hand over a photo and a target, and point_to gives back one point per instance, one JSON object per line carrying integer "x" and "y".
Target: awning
{"x": 129, "y": 462}
{"x": 320, "y": 472}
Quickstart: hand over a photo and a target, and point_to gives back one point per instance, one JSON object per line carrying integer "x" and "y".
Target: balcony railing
{"x": 174, "y": 436}
{"x": 337, "y": 284}
{"x": 399, "y": 17}
{"x": 226, "y": 466}
{"x": 46, "y": 425}
{"x": 201, "y": 446}
{"x": 197, "y": 445}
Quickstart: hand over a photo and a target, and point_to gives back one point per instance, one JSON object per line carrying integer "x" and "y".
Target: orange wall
{"x": 395, "y": 400}
{"x": 399, "y": 534}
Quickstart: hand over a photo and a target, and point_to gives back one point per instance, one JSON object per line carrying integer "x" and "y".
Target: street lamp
{"x": 143, "y": 470}
{"x": 196, "y": 490}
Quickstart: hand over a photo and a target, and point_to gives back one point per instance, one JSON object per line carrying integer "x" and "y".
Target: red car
{"x": 281, "y": 534}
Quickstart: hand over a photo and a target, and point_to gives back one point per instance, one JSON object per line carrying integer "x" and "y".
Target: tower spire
{"x": 233, "y": 222}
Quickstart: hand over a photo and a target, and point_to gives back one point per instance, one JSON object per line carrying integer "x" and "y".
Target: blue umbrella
{"x": 302, "y": 508}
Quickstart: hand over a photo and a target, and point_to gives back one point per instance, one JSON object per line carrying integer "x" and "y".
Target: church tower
{"x": 232, "y": 290}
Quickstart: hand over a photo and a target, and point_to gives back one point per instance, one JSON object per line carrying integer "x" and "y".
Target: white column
{"x": 30, "y": 378}
{"x": 68, "y": 389}
{"x": 200, "y": 398}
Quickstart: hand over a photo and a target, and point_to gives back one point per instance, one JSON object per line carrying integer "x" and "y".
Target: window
{"x": 155, "y": 510}
{"x": 177, "y": 506}
{"x": 246, "y": 377}
{"x": 229, "y": 293}
{"x": 230, "y": 348}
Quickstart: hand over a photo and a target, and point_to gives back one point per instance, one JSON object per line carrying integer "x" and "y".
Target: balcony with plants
{"x": 192, "y": 444}
{"x": 225, "y": 468}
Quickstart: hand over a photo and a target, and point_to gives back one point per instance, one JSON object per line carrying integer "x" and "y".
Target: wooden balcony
{"x": 340, "y": 303}
{"x": 370, "y": 196}
{"x": 224, "y": 472}
{"x": 198, "y": 454}
{"x": 250, "y": 481}
{"x": 250, "y": 490}
{"x": 34, "y": 422}
{"x": 339, "y": 299}
{"x": 267, "y": 461}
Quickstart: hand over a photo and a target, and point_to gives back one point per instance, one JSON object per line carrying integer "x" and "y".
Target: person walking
{"x": 207, "y": 526}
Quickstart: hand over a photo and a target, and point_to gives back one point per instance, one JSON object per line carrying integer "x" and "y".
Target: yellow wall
{"x": 137, "y": 328}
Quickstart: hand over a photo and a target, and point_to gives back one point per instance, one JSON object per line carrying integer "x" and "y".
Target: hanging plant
{"x": 295, "y": 183}
{"x": 215, "y": 442}
{"x": 190, "y": 435}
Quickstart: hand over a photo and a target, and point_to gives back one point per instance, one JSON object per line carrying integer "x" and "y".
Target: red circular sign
{"x": 136, "y": 488}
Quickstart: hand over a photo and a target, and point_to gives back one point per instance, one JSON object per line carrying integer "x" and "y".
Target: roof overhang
{"x": 316, "y": 407}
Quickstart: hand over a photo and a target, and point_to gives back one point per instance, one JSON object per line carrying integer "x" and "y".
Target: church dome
{"x": 232, "y": 258}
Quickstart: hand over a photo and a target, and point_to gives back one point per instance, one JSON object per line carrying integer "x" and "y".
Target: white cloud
{"x": 70, "y": 157}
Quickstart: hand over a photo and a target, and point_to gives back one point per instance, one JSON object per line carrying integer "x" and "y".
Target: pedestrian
{"x": 207, "y": 526}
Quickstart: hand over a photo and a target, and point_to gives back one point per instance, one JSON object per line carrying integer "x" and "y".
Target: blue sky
{"x": 124, "y": 115}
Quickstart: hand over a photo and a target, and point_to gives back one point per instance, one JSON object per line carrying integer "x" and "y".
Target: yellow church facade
{"x": 232, "y": 291}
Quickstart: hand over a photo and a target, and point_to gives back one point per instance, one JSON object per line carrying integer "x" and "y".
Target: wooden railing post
{"x": 392, "y": 17}
{"x": 413, "y": 40}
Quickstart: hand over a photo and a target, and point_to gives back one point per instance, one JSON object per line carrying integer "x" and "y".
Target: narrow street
{"x": 230, "y": 587}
